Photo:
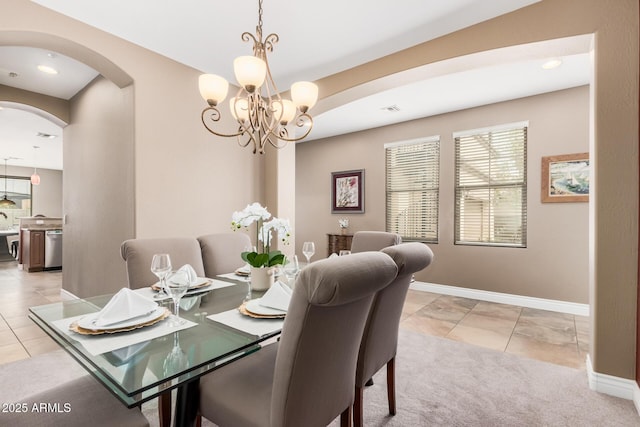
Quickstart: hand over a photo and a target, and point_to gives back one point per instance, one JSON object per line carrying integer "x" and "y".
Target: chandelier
{"x": 262, "y": 114}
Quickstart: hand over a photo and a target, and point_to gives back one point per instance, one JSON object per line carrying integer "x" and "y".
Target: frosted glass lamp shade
{"x": 35, "y": 178}
{"x": 213, "y": 88}
{"x": 239, "y": 108}
{"x": 304, "y": 95}
{"x": 250, "y": 72}
{"x": 286, "y": 115}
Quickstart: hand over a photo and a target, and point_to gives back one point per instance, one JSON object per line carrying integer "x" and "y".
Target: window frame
{"x": 520, "y": 235}
{"x": 422, "y": 231}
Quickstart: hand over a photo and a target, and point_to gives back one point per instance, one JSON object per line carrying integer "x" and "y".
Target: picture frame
{"x": 565, "y": 178}
{"x": 347, "y": 191}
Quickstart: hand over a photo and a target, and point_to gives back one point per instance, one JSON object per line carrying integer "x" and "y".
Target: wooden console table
{"x": 338, "y": 242}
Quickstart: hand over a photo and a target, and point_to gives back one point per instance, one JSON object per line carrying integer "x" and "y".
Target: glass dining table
{"x": 145, "y": 370}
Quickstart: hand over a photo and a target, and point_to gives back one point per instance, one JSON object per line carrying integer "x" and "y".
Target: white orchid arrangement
{"x": 344, "y": 223}
{"x": 263, "y": 257}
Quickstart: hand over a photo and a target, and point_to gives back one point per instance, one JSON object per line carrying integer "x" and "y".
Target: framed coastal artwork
{"x": 347, "y": 191}
{"x": 565, "y": 178}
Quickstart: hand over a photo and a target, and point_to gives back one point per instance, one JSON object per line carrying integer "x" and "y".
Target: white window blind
{"x": 412, "y": 189}
{"x": 491, "y": 186}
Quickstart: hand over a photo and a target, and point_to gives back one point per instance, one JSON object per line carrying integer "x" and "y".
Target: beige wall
{"x": 205, "y": 180}
{"x": 184, "y": 182}
{"x": 98, "y": 184}
{"x": 613, "y": 236}
{"x": 46, "y": 198}
{"x": 555, "y": 263}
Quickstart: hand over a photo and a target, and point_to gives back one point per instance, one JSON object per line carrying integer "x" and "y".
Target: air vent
{"x": 46, "y": 135}
{"x": 391, "y": 108}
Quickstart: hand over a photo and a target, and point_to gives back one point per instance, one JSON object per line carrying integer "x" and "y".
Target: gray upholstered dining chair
{"x": 307, "y": 378}
{"x": 79, "y": 402}
{"x": 221, "y": 252}
{"x": 373, "y": 240}
{"x": 138, "y": 253}
{"x": 380, "y": 339}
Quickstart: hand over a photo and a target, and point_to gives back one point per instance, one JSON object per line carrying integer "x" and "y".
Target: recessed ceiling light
{"x": 47, "y": 69}
{"x": 552, "y": 63}
{"x": 46, "y": 135}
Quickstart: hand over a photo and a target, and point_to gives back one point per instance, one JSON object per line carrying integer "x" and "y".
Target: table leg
{"x": 187, "y": 402}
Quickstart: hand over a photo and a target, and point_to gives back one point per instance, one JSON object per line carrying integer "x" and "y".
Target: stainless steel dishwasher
{"x": 53, "y": 249}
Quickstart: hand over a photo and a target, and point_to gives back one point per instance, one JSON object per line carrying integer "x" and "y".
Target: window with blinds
{"x": 491, "y": 186}
{"x": 412, "y": 189}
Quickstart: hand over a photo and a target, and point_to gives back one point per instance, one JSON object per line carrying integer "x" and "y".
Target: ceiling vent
{"x": 391, "y": 108}
{"x": 46, "y": 135}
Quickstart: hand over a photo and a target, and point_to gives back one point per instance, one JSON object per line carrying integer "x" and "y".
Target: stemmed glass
{"x": 177, "y": 285}
{"x": 176, "y": 361}
{"x": 308, "y": 249}
{"x": 291, "y": 270}
{"x": 161, "y": 267}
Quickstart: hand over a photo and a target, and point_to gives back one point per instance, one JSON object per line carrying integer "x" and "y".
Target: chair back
{"x": 315, "y": 365}
{"x": 221, "y": 252}
{"x": 373, "y": 240}
{"x": 380, "y": 338}
{"x": 138, "y": 254}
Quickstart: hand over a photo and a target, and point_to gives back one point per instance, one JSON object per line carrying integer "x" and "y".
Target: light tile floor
{"x": 538, "y": 334}
{"x": 552, "y": 337}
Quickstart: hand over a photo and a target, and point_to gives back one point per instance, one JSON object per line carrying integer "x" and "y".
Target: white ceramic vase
{"x": 261, "y": 278}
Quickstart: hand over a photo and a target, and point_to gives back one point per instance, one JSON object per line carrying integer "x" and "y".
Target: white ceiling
{"x": 317, "y": 39}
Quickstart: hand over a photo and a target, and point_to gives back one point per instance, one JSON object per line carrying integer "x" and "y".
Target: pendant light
{"x": 4, "y": 202}
{"x": 35, "y": 178}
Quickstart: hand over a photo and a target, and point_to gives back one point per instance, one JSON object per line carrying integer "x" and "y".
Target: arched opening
{"x": 98, "y": 178}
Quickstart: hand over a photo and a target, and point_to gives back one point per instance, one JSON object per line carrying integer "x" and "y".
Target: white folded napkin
{"x": 278, "y": 296}
{"x": 333, "y": 255}
{"x": 190, "y": 273}
{"x": 124, "y": 305}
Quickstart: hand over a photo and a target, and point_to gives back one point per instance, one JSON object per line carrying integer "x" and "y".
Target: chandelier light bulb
{"x": 286, "y": 114}
{"x": 239, "y": 108}
{"x": 213, "y": 88}
{"x": 304, "y": 95}
{"x": 250, "y": 72}
{"x": 35, "y": 178}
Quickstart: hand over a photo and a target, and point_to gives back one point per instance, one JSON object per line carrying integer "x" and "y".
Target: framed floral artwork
{"x": 565, "y": 178}
{"x": 347, "y": 191}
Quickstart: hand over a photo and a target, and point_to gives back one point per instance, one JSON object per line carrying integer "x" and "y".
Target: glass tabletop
{"x": 140, "y": 372}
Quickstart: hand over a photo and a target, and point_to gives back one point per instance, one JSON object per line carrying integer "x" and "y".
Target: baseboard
{"x": 636, "y": 396}
{"x": 522, "y": 301}
{"x": 613, "y": 386}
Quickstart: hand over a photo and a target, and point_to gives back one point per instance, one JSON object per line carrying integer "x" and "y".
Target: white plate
{"x": 199, "y": 283}
{"x": 243, "y": 271}
{"x": 86, "y": 322}
{"x": 255, "y": 307}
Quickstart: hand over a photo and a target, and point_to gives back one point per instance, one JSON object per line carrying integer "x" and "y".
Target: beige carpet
{"x": 439, "y": 383}
{"x": 445, "y": 383}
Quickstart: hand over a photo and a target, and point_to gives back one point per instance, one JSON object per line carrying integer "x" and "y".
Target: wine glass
{"x": 177, "y": 360}
{"x": 308, "y": 249}
{"x": 161, "y": 267}
{"x": 291, "y": 270}
{"x": 177, "y": 285}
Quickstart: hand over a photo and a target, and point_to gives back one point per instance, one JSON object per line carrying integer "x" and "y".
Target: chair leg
{"x": 391, "y": 385}
{"x": 164, "y": 409}
{"x": 345, "y": 418}
{"x": 357, "y": 407}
